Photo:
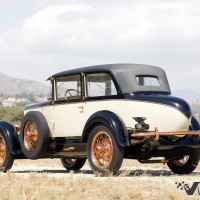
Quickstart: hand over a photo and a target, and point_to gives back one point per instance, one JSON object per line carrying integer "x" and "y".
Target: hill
{"x": 13, "y": 86}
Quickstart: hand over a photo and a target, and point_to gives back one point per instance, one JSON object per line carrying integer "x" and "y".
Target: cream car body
{"x": 67, "y": 117}
{"x": 106, "y": 113}
{"x": 109, "y": 112}
{"x": 70, "y": 119}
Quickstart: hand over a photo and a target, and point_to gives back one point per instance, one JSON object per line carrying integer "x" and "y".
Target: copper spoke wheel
{"x": 70, "y": 160}
{"x": 2, "y": 151}
{"x": 73, "y": 163}
{"x": 30, "y": 135}
{"x": 104, "y": 154}
{"x": 6, "y": 158}
{"x": 102, "y": 149}
{"x": 34, "y": 135}
{"x": 182, "y": 162}
{"x": 185, "y": 164}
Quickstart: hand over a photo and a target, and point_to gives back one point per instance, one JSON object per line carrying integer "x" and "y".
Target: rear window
{"x": 147, "y": 81}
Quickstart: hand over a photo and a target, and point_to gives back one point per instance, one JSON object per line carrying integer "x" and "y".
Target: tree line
{"x": 11, "y": 114}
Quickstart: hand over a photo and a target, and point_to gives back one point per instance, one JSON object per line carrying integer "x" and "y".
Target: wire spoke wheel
{"x": 73, "y": 163}
{"x": 182, "y": 162}
{"x": 6, "y": 158}
{"x": 102, "y": 149}
{"x": 34, "y": 135}
{"x": 2, "y": 151}
{"x": 70, "y": 160}
{"x": 185, "y": 164}
{"x": 104, "y": 154}
{"x": 30, "y": 135}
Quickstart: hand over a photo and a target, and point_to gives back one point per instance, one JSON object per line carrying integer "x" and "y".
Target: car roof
{"x": 104, "y": 68}
{"x": 123, "y": 74}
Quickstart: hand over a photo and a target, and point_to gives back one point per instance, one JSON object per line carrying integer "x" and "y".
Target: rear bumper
{"x": 156, "y": 134}
{"x": 158, "y": 144}
{"x": 169, "y": 151}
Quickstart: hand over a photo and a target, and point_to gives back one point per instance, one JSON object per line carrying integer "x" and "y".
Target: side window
{"x": 100, "y": 84}
{"x": 147, "y": 81}
{"x": 68, "y": 88}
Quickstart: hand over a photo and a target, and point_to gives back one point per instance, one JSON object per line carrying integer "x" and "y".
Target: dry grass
{"x": 44, "y": 187}
{"x": 151, "y": 182}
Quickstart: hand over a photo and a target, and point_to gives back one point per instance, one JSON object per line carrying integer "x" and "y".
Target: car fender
{"x": 195, "y": 124}
{"x": 11, "y": 137}
{"x": 112, "y": 121}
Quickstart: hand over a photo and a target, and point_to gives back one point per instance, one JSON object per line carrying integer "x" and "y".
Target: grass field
{"x": 47, "y": 179}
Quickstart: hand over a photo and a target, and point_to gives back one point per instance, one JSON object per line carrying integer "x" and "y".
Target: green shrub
{"x": 11, "y": 114}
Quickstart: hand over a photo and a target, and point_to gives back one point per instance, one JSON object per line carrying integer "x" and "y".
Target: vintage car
{"x": 106, "y": 113}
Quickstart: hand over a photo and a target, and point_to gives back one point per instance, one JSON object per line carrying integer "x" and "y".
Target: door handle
{"x": 81, "y": 107}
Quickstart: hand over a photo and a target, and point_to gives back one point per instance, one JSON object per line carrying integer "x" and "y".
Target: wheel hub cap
{"x": 182, "y": 161}
{"x": 102, "y": 149}
{"x": 2, "y": 150}
{"x": 30, "y": 135}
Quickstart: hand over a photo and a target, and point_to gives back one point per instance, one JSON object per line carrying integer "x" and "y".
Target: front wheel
{"x": 105, "y": 156}
{"x": 185, "y": 164}
{"x": 6, "y": 158}
{"x": 73, "y": 163}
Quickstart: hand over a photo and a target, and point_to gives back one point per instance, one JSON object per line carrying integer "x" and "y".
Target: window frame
{"x": 99, "y": 97}
{"x": 56, "y": 89}
{"x": 141, "y": 83}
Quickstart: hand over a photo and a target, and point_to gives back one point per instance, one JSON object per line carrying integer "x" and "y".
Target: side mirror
{"x": 51, "y": 100}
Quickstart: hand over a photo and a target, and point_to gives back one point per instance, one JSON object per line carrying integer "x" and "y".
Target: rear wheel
{"x": 105, "y": 156}
{"x": 6, "y": 158}
{"x": 73, "y": 163}
{"x": 185, "y": 164}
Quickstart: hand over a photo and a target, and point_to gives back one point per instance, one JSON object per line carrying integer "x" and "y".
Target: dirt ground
{"x": 47, "y": 179}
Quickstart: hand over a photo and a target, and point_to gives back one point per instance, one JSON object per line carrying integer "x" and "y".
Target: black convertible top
{"x": 125, "y": 75}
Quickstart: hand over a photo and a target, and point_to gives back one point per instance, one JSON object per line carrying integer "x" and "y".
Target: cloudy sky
{"x": 39, "y": 38}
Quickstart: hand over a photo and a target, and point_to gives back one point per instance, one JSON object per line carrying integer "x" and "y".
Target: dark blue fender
{"x": 195, "y": 124}
{"x": 11, "y": 137}
{"x": 192, "y": 139}
{"x": 112, "y": 121}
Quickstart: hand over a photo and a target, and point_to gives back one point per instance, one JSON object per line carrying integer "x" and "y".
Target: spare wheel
{"x": 34, "y": 135}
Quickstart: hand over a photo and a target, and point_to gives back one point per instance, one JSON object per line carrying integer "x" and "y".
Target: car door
{"x": 65, "y": 116}
{"x": 100, "y": 94}
{"x": 74, "y": 106}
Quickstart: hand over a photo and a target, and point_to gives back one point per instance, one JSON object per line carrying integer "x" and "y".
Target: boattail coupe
{"x": 106, "y": 113}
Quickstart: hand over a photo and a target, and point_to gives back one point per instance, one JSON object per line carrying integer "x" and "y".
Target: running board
{"x": 153, "y": 161}
{"x": 164, "y": 161}
{"x": 70, "y": 150}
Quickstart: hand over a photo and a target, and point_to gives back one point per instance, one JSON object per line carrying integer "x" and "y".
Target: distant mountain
{"x": 12, "y": 86}
{"x": 186, "y": 94}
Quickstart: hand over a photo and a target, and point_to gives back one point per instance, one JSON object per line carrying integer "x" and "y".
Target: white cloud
{"x": 83, "y": 26}
{"x": 165, "y": 33}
